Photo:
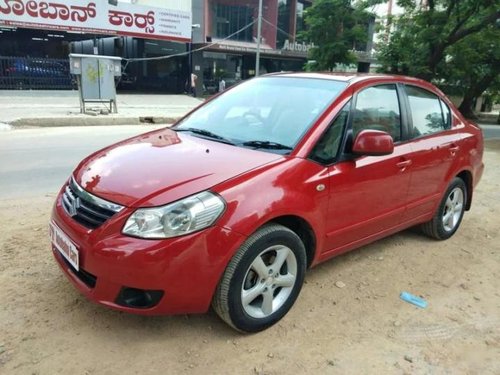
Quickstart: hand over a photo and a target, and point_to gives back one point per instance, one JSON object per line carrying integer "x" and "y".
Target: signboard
{"x": 99, "y": 17}
{"x": 289, "y": 49}
{"x": 285, "y": 52}
{"x": 299, "y": 48}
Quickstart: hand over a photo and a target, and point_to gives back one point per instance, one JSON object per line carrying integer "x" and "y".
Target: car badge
{"x": 74, "y": 206}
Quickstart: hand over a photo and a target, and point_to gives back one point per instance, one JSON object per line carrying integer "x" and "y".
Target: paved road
{"x": 38, "y": 161}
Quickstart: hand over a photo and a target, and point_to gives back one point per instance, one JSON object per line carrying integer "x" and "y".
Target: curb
{"x": 90, "y": 121}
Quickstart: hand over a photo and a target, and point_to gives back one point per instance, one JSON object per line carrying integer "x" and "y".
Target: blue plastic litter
{"x": 414, "y": 300}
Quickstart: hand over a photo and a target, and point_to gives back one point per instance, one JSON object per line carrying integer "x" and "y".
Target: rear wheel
{"x": 450, "y": 212}
{"x": 263, "y": 279}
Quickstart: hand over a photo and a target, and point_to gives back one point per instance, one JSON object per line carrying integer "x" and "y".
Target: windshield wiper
{"x": 267, "y": 145}
{"x": 207, "y": 134}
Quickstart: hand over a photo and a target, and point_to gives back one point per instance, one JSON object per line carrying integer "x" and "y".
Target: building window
{"x": 231, "y": 18}
{"x": 284, "y": 9}
{"x": 301, "y": 22}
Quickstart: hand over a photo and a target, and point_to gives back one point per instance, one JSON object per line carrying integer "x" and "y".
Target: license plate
{"x": 64, "y": 245}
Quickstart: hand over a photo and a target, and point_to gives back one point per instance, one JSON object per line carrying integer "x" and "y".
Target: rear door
{"x": 435, "y": 147}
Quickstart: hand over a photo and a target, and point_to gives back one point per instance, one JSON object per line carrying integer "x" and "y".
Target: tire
{"x": 251, "y": 295}
{"x": 450, "y": 212}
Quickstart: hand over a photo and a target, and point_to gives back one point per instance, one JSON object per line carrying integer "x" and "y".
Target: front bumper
{"x": 187, "y": 269}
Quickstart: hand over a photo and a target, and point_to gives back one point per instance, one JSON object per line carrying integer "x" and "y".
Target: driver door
{"x": 368, "y": 193}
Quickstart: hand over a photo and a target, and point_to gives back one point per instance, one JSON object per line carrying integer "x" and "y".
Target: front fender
{"x": 289, "y": 187}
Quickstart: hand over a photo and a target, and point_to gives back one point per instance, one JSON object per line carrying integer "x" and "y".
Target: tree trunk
{"x": 466, "y": 106}
{"x": 476, "y": 90}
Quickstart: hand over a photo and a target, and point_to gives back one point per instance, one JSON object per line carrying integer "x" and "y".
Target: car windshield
{"x": 270, "y": 113}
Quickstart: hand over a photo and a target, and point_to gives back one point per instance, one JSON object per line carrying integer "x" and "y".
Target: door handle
{"x": 404, "y": 164}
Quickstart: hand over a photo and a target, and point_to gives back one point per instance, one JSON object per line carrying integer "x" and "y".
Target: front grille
{"x": 85, "y": 208}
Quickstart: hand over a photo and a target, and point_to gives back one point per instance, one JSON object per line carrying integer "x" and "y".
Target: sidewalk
{"x": 62, "y": 108}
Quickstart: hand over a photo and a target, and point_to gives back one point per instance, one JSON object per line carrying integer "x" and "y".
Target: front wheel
{"x": 450, "y": 212}
{"x": 263, "y": 280}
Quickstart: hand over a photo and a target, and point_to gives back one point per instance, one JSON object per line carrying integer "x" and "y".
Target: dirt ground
{"x": 46, "y": 327}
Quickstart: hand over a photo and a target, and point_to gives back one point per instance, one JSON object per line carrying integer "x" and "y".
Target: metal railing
{"x": 34, "y": 73}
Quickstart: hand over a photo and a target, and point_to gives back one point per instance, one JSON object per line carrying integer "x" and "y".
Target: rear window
{"x": 426, "y": 112}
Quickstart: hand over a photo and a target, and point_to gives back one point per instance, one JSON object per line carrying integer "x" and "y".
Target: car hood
{"x": 160, "y": 167}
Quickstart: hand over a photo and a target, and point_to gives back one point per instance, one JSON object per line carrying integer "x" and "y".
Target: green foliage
{"x": 336, "y": 27}
{"x": 473, "y": 60}
{"x": 423, "y": 36}
{"x": 454, "y": 43}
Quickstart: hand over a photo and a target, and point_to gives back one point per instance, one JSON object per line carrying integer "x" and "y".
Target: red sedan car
{"x": 231, "y": 205}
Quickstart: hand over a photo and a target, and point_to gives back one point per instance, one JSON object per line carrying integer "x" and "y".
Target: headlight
{"x": 176, "y": 219}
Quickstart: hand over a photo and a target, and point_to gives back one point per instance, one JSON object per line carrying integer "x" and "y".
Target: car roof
{"x": 352, "y": 77}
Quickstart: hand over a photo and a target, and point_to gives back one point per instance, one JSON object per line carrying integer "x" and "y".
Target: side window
{"x": 377, "y": 108}
{"x": 327, "y": 148}
{"x": 426, "y": 112}
{"x": 446, "y": 114}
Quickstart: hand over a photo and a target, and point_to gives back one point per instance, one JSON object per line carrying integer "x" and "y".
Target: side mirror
{"x": 373, "y": 143}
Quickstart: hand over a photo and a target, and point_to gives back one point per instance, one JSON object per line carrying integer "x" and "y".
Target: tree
{"x": 424, "y": 33}
{"x": 336, "y": 27}
{"x": 450, "y": 42}
{"x": 473, "y": 66}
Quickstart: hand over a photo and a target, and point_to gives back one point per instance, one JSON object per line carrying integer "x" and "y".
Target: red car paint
{"x": 362, "y": 200}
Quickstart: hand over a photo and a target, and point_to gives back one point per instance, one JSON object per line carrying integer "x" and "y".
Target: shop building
{"x": 221, "y": 52}
{"x": 35, "y": 41}
{"x": 36, "y": 38}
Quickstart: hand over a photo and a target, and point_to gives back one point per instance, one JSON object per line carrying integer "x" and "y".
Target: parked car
{"x": 22, "y": 67}
{"x": 229, "y": 207}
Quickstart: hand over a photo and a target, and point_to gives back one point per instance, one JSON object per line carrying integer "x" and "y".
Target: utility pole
{"x": 259, "y": 37}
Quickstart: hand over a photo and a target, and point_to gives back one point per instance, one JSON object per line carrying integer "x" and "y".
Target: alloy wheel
{"x": 453, "y": 209}
{"x": 269, "y": 281}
